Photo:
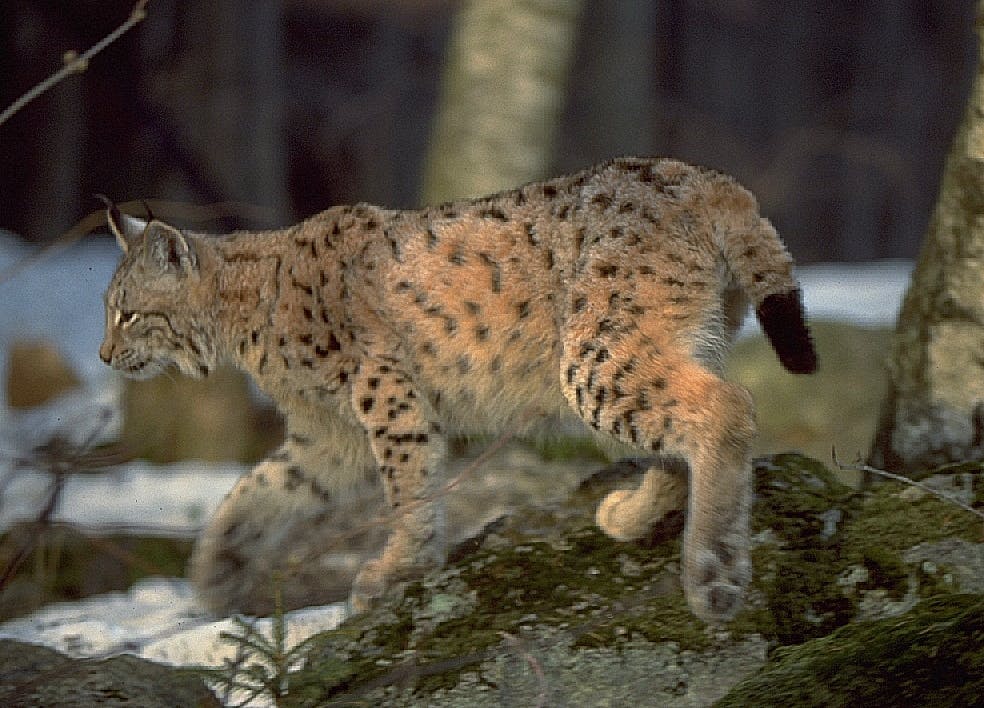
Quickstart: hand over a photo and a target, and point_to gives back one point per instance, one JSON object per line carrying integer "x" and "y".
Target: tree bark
{"x": 934, "y": 410}
{"x": 504, "y": 85}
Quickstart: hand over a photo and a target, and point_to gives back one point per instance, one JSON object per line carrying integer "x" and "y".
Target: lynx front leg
{"x": 297, "y": 519}
{"x": 409, "y": 448}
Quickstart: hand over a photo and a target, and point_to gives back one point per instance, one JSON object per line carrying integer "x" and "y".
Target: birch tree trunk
{"x": 934, "y": 410}
{"x": 504, "y": 84}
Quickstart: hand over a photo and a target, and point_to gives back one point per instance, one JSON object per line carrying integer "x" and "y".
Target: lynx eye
{"x": 124, "y": 317}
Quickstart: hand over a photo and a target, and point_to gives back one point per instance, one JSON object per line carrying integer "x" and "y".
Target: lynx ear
{"x": 167, "y": 250}
{"x": 127, "y": 229}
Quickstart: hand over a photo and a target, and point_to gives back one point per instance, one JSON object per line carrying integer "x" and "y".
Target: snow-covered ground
{"x": 58, "y": 299}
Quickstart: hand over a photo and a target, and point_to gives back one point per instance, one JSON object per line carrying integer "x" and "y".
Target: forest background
{"x": 836, "y": 114}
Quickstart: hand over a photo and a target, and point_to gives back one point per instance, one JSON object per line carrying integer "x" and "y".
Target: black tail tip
{"x": 781, "y": 316}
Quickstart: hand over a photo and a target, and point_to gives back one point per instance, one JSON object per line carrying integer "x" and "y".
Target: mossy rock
{"x": 522, "y": 610}
{"x": 931, "y": 656}
{"x": 38, "y": 676}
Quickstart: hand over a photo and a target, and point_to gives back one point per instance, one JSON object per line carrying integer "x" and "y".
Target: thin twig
{"x": 75, "y": 63}
{"x": 905, "y": 480}
{"x": 59, "y": 461}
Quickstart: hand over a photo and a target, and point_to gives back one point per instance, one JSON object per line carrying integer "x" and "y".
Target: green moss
{"x": 886, "y": 570}
{"x": 804, "y": 509}
{"x": 663, "y": 618}
{"x": 795, "y": 495}
{"x": 934, "y": 655}
{"x": 811, "y": 532}
{"x": 803, "y": 598}
{"x": 893, "y": 522}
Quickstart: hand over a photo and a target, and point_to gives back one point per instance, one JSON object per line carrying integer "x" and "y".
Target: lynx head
{"x": 158, "y": 304}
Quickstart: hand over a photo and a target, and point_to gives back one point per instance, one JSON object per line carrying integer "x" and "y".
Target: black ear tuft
{"x": 114, "y": 219}
{"x": 112, "y": 211}
{"x": 127, "y": 229}
{"x": 781, "y": 316}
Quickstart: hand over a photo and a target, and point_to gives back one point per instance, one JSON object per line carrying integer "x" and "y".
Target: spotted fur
{"x": 608, "y": 296}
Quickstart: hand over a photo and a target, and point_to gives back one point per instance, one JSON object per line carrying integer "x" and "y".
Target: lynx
{"x": 608, "y": 296}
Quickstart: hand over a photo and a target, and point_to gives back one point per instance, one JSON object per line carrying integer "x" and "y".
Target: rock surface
{"x": 857, "y": 597}
{"x": 32, "y": 675}
{"x": 546, "y": 611}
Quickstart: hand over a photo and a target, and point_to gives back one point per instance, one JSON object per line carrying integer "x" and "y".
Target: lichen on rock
{"x": 531, "y": 615}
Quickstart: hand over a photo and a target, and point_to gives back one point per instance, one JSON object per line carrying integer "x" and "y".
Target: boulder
{"x": 543, "y": 609}
{"x": 32, "y": 675}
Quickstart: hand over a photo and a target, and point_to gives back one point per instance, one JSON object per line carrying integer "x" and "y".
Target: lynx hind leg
{"x": 629, "y": 514}
{"x": 663, "y": 401}
{"x": 296, "y": 520}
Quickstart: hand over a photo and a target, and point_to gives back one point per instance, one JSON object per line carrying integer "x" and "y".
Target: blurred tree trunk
{"x": 504, "y": 85}
{"x": 934, "y": 410}
{"x": 604, "y": 118}
{"x": 243, "y": 109}
{"x": 227, "y": 95}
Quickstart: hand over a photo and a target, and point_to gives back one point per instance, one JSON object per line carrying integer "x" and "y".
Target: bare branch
{"x": 905, "y": 480}
{"x": 75, "y": 63}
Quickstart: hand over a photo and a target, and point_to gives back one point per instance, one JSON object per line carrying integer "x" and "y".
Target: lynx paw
{"x": 715, "y": 582}
{"x": 395, "y": 565}
{"x": 627, "y": 515}
{"x": 618, "y": 517}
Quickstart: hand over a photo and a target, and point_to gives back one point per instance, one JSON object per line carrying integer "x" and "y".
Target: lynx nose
{"x": 106, "y": 352}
